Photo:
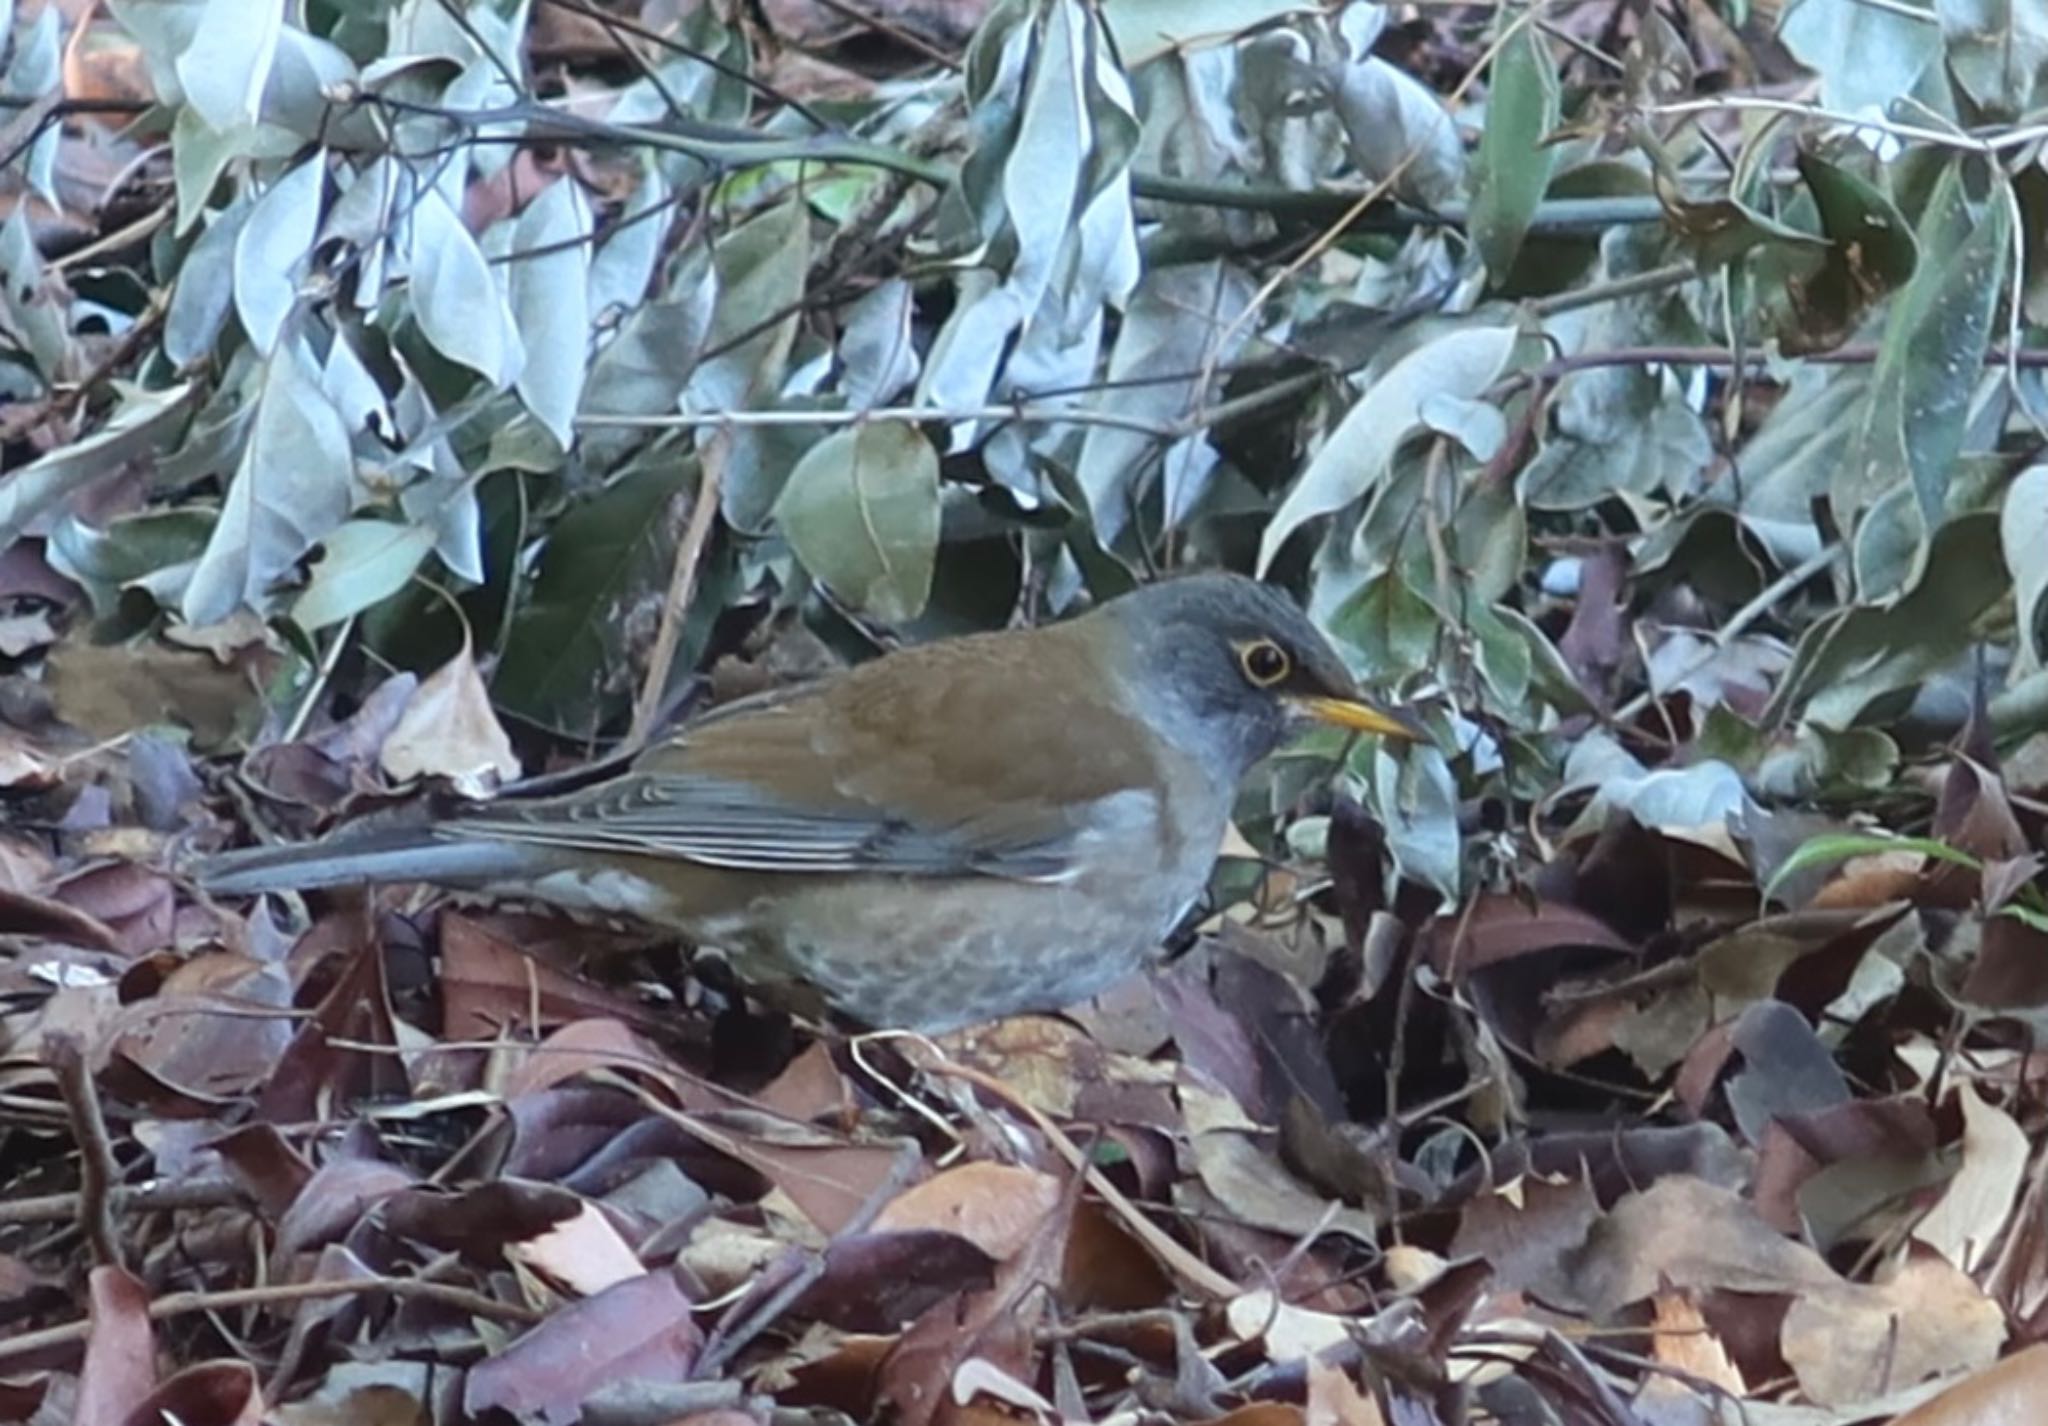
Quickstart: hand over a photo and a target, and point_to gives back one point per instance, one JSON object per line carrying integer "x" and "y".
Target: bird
{"x": 950, "y": 833}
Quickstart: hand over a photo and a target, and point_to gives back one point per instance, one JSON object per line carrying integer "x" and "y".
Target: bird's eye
{"x": 1265, "y": 663}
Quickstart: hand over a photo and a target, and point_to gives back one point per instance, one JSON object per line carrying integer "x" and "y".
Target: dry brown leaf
{"x": 1683, "y": 1340}
{"x": 1334, "y": 1399}
{"x": 448, "y": 730}
{"x": 1683, "y": 1232}
{"x": 120, "y": 1355}
{"x": 108, "y": 690}
{"x": 1290, "y": 1333}
{"x": 585, "y": 1253}
{"x": 1851, "y": 1342}
{"x": 2007, "y": 1394}
{"x": 997, "y": 1207}
{"x": 1973, "y": 1208}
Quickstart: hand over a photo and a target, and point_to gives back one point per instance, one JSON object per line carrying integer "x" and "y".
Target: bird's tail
{"x": 381, "y": 854}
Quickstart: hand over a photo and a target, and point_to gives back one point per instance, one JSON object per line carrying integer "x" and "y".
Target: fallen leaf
{"x": 584, "y": 1254}
{"x": 639, "y": 1330}
{"x": 1966, "y": 1219}
{"x": 448, "y": 730}
{"x": 2009, "y": 1393}
{"x": 997, "y": 1207}
{"x": 1852, "y": 1342}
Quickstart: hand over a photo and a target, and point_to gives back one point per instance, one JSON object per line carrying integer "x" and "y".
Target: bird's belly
{"x": 931, "y": 955}
{"x": 611, "y": 891}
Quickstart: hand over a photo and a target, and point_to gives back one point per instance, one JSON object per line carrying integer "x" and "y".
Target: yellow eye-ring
{"x": 1264, "y": 663}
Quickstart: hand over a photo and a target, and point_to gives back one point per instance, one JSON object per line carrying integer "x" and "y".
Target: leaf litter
{"x": 1699, "y": 1112}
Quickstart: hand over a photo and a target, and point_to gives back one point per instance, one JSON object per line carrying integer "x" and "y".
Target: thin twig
{"x": 1077, "y": 415}
{"x": 682, "y": 585}
{"x": 64, "y": 1054}
{"x": 882, "y": 25}
{"x": 143, "y": 1198}
{"x": 178, "y": 1304}
{"x": 1641, "y": 284}
{"x": 1861, "y": 354}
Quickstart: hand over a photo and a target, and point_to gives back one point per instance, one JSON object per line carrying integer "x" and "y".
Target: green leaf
{"x": 224, "y": 68}
{"x": 565, "y": 655}
{"x": 2023, "y": 530}
{"x": 1840, "y": 846}
{"x": 759, "y": 270}
{"x": 455, "y": 297}
{"x": 1930, "y": 360}
{"x": 1391, "y": 625}
{"x": 1997, "y": 50}
{"x": 1852, "y": 656}
{"x": 1871, "y": 254}
{"x": 1146, "y": 29}
{"x": 1866, "y": 55}
{"x": 291, "y": 488}
{"x": 127, "y": 551}
{"x": 144, "y": 419}
{"x": 1416, "y": 797}
{"x": 271, "y": 248}
{"x": 1461, "y": 363}
{"x": 363, "y": 563}
{"x": 1514, "y": 163}
{"x": 550, "y": 298}
{"x": 861, "y": 510}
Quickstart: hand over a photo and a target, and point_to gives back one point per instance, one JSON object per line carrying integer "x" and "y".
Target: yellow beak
{"x": 1362, "y": 717}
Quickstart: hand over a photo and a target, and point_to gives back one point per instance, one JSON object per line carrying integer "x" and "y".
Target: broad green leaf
{"x": 35, "y": 70}
{"x": 1416, "y": 797}
{"x": 290, "y": 490}
{"x": 876, "y": 349}
{"x": 1042, "y": 173}
{"x": 205, "y": 288}
{"x": 456, "y": 299}
{"x": 1793, "y": 455}
{"x": 144, "y": 420}
{"x": 1170, "y": 328}
{"x": 104, "y": 561}
{"x": 1462, "y": 363}
{"x": 271, "y": 249}
{"x": 1866, "y": 55}
{"x": 643, "y": 370}
{"x": 565, "y": 663}
{"x": 1393, "y": 125}
{"x": 861, "y": 510}
{"x": 1871, "y": 254}
{"x": 1617, "y": 429}
{"x": 550, "y": 296}
{"x": 1392, "y": 626}
{"x": 224, "y": 68}
{"x": 362, "y": 563}
{"x": 623, "y": 266}
{"x": 1501, "y": 655}
{"x": 1997, "y": 50}
{"x": 1930, "y": 360}
{"x": 1851, "y": 656}
{"x": 1514, "y": 163}
{"x": 1146, "y": 29}
{"x": 35, "y": 318}
{"x": 760, "y": 269}
{"x": 2023, "y": 531}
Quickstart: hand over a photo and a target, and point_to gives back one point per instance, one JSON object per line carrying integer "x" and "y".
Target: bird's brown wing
{"x": 994, "y": 756}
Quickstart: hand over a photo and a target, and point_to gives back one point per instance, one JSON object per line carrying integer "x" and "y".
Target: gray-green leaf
{"x": 861, "y": 510}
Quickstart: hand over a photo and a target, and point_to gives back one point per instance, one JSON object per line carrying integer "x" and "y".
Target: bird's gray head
{"x": 1230, "y": 668}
